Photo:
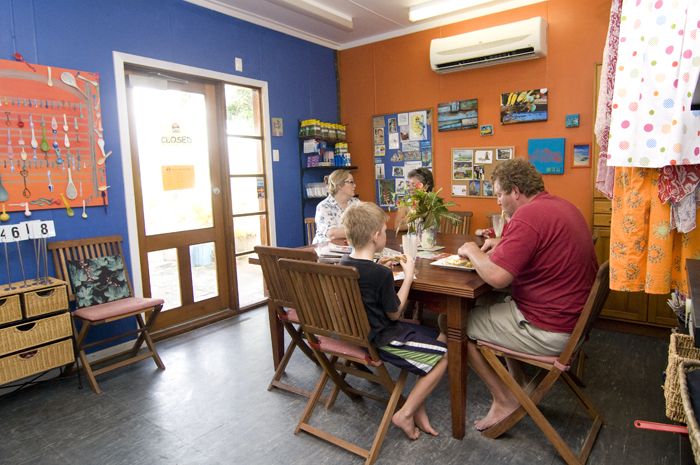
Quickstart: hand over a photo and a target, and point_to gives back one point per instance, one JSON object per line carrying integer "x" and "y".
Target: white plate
{"x": 443, "y": 263}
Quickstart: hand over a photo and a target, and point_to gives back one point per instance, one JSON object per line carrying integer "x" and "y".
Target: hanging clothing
{"x": 606, "y": 174}
{"x": 645, "y": 253}
{"x": 657, "y": 69}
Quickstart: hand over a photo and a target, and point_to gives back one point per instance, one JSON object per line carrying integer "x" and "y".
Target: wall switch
{"x": 275, "y": 155}
{"x": 239, "y": 64}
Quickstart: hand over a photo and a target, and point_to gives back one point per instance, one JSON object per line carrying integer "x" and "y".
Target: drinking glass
{"x": 498, "y": 222}
{"x": 410, "y": 245}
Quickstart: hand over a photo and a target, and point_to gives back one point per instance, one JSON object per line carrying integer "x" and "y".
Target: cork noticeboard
{"x": 471, "y": 169}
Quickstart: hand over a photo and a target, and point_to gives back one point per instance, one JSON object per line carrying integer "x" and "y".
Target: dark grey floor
{"x": 211, "y": 406}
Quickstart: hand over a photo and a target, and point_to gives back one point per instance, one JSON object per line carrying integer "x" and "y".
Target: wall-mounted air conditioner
{"x": 523, "y": 40}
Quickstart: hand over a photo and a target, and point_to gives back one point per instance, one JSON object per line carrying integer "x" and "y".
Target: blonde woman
{"x": 341, "y": 192}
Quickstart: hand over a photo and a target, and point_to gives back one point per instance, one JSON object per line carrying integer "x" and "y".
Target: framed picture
{"x": 397, "y": 171}
{"x": 581, "y": 156}
{"x": 486, "y": 130}
{"x": 547, "y": 155}
{"x": 461, "y": 114}
{"x": 524, "y": 107}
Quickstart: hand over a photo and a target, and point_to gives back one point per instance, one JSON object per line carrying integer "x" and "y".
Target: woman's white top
{"x": 328, "y": 214}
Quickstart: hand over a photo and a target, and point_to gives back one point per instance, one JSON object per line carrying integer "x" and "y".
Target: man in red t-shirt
{"x": 548, "y": 259}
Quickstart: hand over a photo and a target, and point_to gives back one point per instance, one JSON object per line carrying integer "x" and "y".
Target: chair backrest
{"x": 269, "y": 262}
{"x": 463, "y": 228}
{"x": 489, "y": 218}
{"x": 589, "y": 314}
{"x": 79, "y": 249}
{"x": 328, "y": 301}
{"x": 310, "y": 225}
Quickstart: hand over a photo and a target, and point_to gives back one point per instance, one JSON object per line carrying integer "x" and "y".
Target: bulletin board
{"x": 471, "y": 169}
{"x": 51, "y": 123}
{"x": 402, "y": 142}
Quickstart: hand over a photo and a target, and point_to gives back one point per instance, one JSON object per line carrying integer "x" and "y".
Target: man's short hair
{"x": 518, "y": 172}
{"x": 361, "y": 220}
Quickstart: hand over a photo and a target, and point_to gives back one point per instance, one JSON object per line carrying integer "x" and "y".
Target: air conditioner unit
{"x": 519, "y": 41}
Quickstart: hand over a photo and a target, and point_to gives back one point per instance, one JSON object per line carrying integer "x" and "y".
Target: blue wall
{"x": 81, "y": 34}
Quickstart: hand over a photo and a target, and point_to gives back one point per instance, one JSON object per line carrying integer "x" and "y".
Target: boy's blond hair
{"x": 361, "y": 220}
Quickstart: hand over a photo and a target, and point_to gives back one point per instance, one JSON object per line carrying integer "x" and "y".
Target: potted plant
{"x": 425, "y": 212}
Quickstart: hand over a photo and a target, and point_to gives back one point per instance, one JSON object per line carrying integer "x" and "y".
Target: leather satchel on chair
{"x": 280, "y": 306}
{"x": 97, "y": 259}
{"x": 551, "y": 369}
{"x": 331, "y": 313}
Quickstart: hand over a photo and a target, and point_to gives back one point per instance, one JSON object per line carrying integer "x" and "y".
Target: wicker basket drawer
{"x": 20, "y": 366}
{"x": 10, "y": 309}
{"x": 45, "y": 301}
{"x": 37, "y": 332}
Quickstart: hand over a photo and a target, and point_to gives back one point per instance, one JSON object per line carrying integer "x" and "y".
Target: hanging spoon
{"x": 65, "y": 123}
{"x": 4, "y": 216}
{"x": 3, "y": 192}
{"x": 34, "y": 142}
{"x": 26, "y": 209}
{"x": 75, "y": 123}
{"x": 84, "y": 214}
{"x": 48, "y": 173}
{"x": 101, "y": 161}
{"x": 19, "y": 57}
{"x": 21, "y": 142}
{"x": 20, "y": 123}
{"x": 69, "y": 210}
{"x": 101, "y": 143}
{"x": 26, "y": 193}
{"x": 71, "y": 191}
{"x": 66, "y": 142}
{"x": 68, "y": 78}
{"x": 50, "y": 82}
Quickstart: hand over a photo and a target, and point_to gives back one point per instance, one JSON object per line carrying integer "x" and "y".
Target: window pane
{"x": 173, "y": 160}
{"x": 245, "y": 197}
{"x": 242, "y": 111}
{"x": 250, "y": 282}
{"x": 203, "y": 266}
{"x": 165, "y": 277}
{"x": 245, "y": 156}
{"x": 249, "y": 231}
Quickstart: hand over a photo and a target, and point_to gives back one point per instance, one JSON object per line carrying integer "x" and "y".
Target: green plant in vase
{"x": 425, "y": 212}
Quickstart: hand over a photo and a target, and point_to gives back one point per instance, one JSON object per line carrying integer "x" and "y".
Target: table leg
{"x": 457, "y": 309}
{"x": 276, "y": 334}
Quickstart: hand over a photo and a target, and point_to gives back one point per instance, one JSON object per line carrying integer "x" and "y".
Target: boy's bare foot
{"x": 422, "y": 421}
{"x": 406, "y": 424}
{"x": 497, "y": 413}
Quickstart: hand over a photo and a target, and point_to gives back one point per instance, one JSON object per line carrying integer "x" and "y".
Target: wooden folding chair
{"x": 281, "y": 306}
{"x": 489, "y": 218}
{"x": 331, "y": 313}
{"x": 94, "y": 315}
{"x": 463, "y": 228}
{"x": 552, "y": 369}
{"x": 310, "y": 226}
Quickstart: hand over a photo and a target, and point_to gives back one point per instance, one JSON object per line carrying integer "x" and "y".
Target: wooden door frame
{"x": 121, "y": 60}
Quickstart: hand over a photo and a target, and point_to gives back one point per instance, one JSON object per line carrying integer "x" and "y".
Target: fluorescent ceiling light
{"x": 317, "y": 11}
{"x": 440, "y": 7}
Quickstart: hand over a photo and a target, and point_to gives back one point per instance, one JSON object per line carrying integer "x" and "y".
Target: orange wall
{"x": 394, "y": 76}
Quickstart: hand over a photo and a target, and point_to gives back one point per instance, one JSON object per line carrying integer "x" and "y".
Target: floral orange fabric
{"x": 645, "y": 253}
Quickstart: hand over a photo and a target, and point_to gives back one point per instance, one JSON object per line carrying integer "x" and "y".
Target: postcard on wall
{"x": 402, "y": 119}
{"x": 378, "y": 136}
{"x": 479, "y": 172}
{"x": 397, "y": 171}
{"x": 393, "y": 141}
{"x": 410, "y": 146}
{"x": 504, "y": 154}
{"x": 462, "y": 155}
{"x": 378, "y": 160}
{"x": 474, "y": 187}
{"x": 547, "y": 155}
{"x": 410, "y": 166}
{"x": 487, "y": 188}
{"x": 461, "y": 114}
{"x": 412, "y": 156}
{"x": 484, "y": 156}
{"x": 403, "y": 130}
{"x": 398, "y": 156}
{"x": 378, "y": 122}
{"x": 400, "y": 186}
{"x": 393, "y": 127}
{"x": 486, "y": 130}
{"x": 427, "y": 157}
{"x": 459, "y": 189}
{"x": 582, "y": 156}
{"x": 417, "y": 127}
{"x": 277, "y": 127}
{"x": 462, "y": 170}
{"x": 379, "y": 171}
{"x": 524, "y": 107}
{"x": 379, "y": 150}
{"x": 387, "y": 189}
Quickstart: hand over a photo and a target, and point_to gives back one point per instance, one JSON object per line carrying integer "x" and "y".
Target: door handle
{"x": 216, "y": 191}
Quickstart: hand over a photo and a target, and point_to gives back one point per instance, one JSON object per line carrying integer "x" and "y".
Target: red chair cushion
{"x": 116, "y": 308}
{"x": 344, "y": 348}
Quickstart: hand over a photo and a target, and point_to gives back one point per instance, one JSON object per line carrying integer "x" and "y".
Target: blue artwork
{"x": 572, "y": 121}
{"x": 547, "y": 155}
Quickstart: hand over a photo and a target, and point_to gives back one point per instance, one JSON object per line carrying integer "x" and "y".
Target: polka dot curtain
{"x": 657, "y": 69}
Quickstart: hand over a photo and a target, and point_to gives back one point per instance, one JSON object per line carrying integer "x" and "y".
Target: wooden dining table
{"x": 442, "y": 290}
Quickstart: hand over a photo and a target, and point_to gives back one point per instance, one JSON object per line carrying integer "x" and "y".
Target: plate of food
{"x": 456, "y": 262}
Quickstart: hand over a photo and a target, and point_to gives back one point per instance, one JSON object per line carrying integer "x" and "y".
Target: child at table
{"x": 411, "y": 347}
{"x": 489, "y": 232}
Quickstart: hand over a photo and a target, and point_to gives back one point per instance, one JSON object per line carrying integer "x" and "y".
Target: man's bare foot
{"x": 497, "y": 413}
{"x": 422, "y": 421}
{"x": 406, "y": 424}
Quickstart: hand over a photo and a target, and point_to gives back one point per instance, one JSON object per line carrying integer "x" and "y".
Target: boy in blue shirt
{"x": 411, "y": 347}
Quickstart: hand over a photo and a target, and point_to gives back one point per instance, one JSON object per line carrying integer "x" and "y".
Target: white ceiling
{"x": 373, "y": 20}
